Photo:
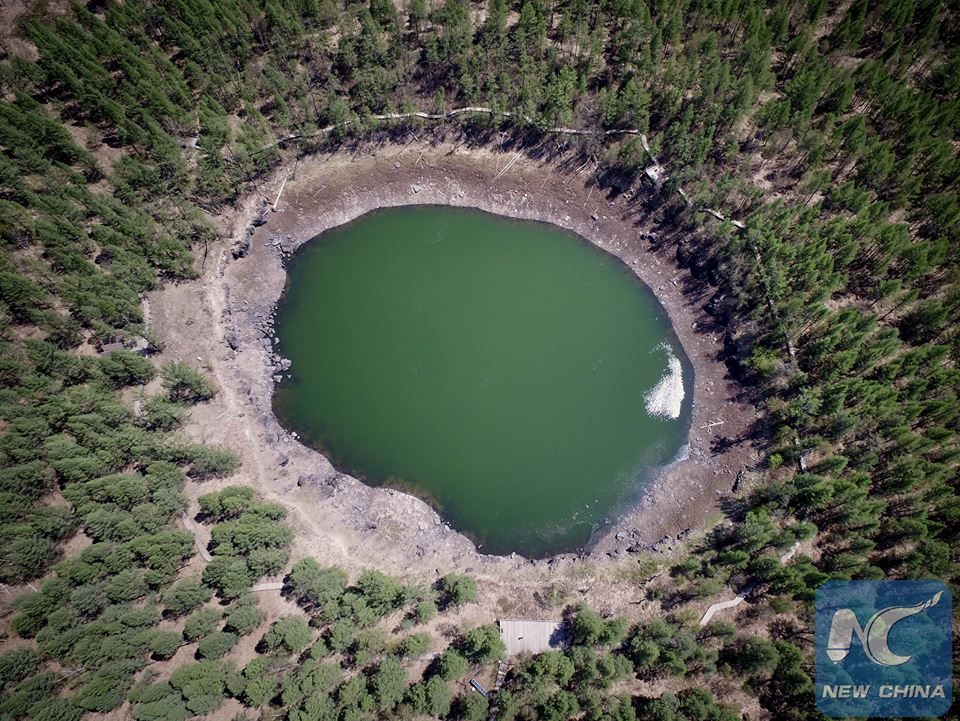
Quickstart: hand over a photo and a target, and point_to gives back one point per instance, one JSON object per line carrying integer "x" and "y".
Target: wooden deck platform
{"x": 525, "y": 636}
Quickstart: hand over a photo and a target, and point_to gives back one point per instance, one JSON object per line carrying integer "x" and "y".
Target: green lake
{"x": 523, "y": 382}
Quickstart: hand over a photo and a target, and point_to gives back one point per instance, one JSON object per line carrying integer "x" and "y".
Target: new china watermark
{"x": 883, "y": 648}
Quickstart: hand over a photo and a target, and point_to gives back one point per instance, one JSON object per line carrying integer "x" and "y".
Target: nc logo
{"x": 906, "y": 667}
{"x": 874, "y": 636}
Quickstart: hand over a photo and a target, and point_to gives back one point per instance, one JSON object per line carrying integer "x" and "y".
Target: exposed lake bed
{"x": 227, "y": 319}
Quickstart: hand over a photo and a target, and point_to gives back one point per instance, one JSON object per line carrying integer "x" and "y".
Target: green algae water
{"x": 514, "y": 376}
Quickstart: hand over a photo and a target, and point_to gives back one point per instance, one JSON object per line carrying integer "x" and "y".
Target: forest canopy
{"x": 813, "y": 175}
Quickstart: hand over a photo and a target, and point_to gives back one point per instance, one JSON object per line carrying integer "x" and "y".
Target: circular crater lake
{"x": 520, "y": 380}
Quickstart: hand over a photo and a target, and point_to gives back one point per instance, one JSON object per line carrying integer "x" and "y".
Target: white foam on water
{"x": 665, "y": 399}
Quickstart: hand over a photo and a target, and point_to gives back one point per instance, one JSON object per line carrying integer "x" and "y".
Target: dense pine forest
{"x": 827, "y": 129}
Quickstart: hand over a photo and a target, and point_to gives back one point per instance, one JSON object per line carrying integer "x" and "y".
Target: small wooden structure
{"x": 657, "y": 175}
{"x": 524, "y": 636}
{"x": 502, "y": 669}
{"x": 108, "y": 349}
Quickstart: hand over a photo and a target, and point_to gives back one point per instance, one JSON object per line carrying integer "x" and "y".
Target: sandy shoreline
{"x": 223, "y": 322}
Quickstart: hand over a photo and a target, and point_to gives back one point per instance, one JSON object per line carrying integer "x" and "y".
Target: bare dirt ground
{"x": 222, "y": 323}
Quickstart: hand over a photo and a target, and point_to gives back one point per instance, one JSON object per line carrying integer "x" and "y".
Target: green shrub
{"x": 425, "y": 611}
{"x": 452, "y": 666}
{"x": 201, "y": 623}
{"x": 164, "y": 644}
{"x": 207, "y": 463}
{"x": 216, "y": 644}
{"x": 414, "y": 645}
{"x": 17, "y": 664}
{"x": 289, "y": 634}
{"x": 457, "y": 589}
{"x": 244, "y": 619}
{"x": 482, "y": 644}
{"x": 185, "y": 384}
{"x": 185, "y": 595}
